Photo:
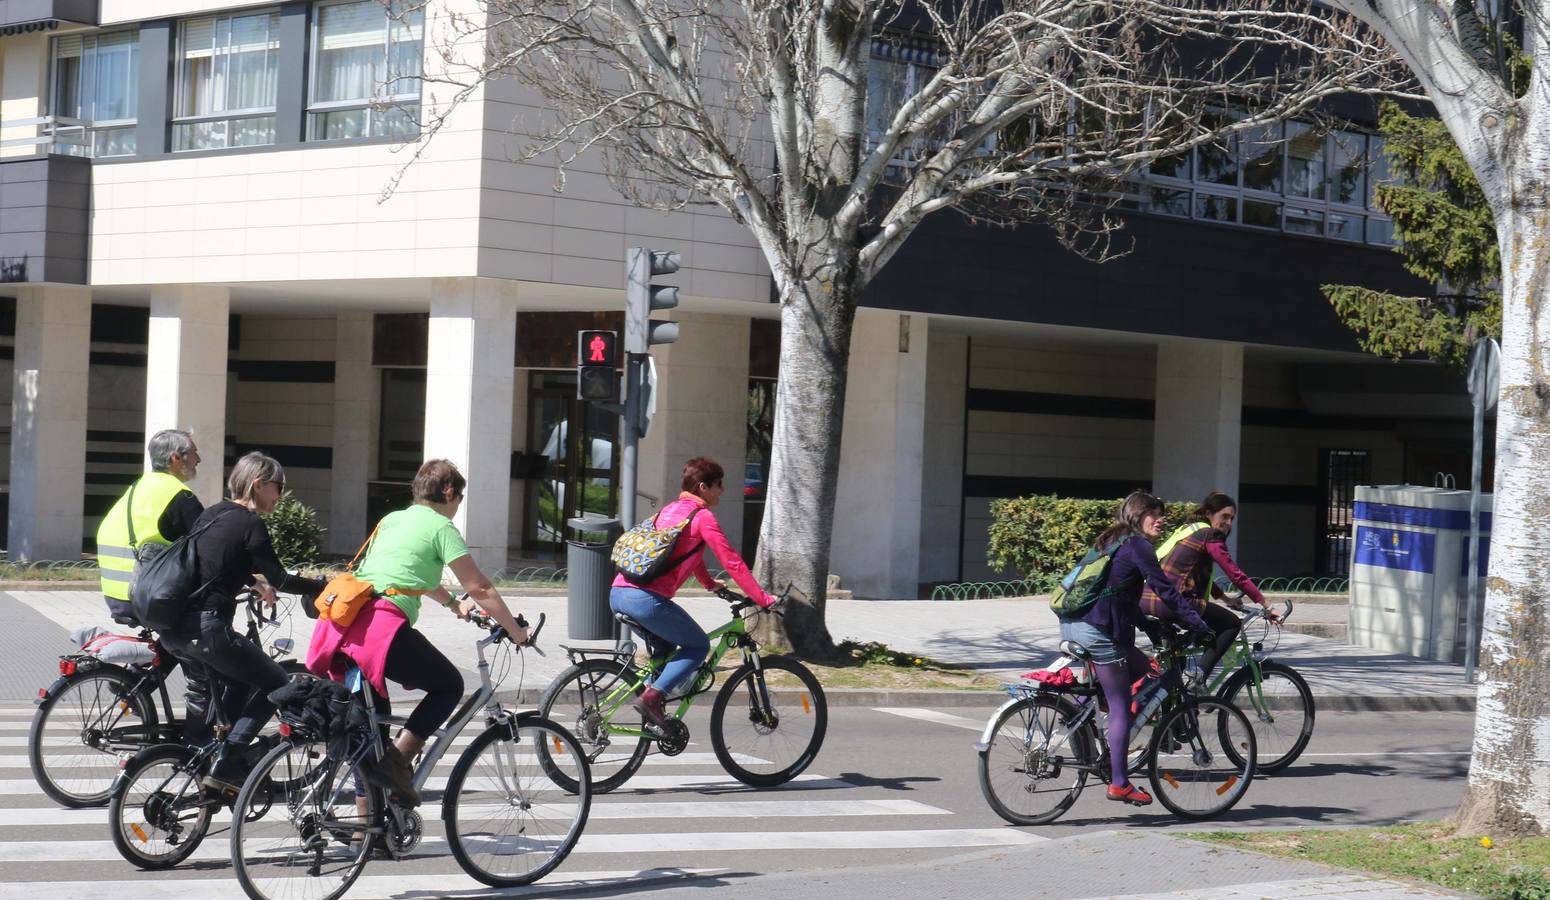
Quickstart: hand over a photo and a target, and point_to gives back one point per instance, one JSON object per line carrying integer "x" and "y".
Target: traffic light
{"x": 641, "y": 297}
{"x": 597, "y": 366}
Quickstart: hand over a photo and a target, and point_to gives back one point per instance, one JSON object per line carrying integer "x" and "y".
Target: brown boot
{"x": 650, "y": 707}
{"x": 394, "y": 772}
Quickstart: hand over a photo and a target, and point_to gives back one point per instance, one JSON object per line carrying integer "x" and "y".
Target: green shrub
{"x": 294, "y": 531}
{"x": 1040, "y": 538}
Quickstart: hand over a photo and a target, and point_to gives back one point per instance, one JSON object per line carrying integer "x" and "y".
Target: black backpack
{"x": 164, "y": 585}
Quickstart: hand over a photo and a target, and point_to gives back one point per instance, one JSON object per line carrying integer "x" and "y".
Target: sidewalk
{"x": 1126, "y": 865}
{"x": 1002, "y": 638}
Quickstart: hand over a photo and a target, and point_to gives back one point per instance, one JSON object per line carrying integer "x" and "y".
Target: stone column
{"x": 48, "y": 422}
{"x": 469, "y": 378}
{"x": 353, "y": 389}
{"x": 185, "y": 374}
{"x": 877, "y": 509}
{"x": 1199, "y": 419}
{"x": 702, "y": 410}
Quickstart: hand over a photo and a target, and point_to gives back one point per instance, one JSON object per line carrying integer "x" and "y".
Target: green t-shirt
{"x": 411, "y": 548}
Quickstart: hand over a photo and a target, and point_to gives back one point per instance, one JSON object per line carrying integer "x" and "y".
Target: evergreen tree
{"x": 1444, "y": 229}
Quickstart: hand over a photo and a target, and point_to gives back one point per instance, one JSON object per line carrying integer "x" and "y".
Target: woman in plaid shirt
{"x": 1187, "y": 558}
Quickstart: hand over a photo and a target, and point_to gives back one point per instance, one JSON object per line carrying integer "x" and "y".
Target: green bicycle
{"x": 766, "y": 724}
{"x": 1276, "y": 699}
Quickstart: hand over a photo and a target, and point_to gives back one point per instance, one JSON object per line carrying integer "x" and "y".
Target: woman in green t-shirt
{"x": 404, "y": 562}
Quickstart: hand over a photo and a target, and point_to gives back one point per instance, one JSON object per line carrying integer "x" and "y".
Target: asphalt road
{"x": 892, "y": 791}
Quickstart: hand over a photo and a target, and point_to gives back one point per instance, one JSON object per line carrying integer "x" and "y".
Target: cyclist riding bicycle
{"x": 403, "y": 562}
{"x": 163, "y": 510}
{"x": 232, "y": 544}
{"x": 651, "y": 603}
{"x": 1187, "y": 558}
{"x": 1108, "y": 630}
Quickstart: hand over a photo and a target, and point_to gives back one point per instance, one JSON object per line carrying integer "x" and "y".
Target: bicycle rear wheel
{"x": 78, "y": 732}
{"x": 297, "y": 828}
{"x": 509, "y": 819}
{"x": 1281, "y": 711}
{"x": 160, "y": 814}
{"x": 775, "y": 730}
{"x": 1191, "y": 770}
{"x": 1035, "y": 763}
{"x": 575, "y": 700}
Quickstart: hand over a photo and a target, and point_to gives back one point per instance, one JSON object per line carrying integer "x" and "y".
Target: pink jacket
{"x": 703, "y": 531}
{"x": 365, "y": 643}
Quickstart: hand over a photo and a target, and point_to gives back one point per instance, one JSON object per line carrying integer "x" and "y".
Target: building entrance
{"x": 579, "y": 471}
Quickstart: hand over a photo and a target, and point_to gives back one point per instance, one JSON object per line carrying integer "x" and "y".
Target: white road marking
{"x": 931, "y": 715}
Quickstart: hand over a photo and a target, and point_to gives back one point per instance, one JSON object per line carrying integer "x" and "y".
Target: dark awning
{"x": 24, "y": 16}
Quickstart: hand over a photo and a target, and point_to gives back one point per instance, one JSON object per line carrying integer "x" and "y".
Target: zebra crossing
{"x": 680, "y": 817}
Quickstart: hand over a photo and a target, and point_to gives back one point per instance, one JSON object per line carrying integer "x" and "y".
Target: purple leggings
{"x": 1116, "y": 678}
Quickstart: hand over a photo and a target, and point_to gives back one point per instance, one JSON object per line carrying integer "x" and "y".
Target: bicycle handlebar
{"x": 740, "y": 602}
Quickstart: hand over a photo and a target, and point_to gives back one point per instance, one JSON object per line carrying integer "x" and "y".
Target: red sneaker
{"x": 1130, "y": 794}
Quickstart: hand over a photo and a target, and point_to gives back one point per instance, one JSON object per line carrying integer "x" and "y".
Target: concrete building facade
{"x": 211, "y": 220}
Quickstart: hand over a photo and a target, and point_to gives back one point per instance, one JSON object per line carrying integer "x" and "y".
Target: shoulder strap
{"x": 129, "y": 512}
{"x": 693, "y": 550}
{"x": 361, "y": 552}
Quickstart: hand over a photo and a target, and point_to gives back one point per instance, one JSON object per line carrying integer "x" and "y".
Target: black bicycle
{"x": 97, "y": 712}
{"x": 1041, "y": 746}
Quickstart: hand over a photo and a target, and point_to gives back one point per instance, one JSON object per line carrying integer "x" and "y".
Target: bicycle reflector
{"x": 285, "y": 730}
{"x": 67, "y": 667}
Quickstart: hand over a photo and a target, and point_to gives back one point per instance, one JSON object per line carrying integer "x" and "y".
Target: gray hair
{"x": 166, "y": 444}
{"x": 254, "y": 466}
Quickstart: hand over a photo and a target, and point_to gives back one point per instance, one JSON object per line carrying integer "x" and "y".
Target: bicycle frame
{"x": 733, "y": 634}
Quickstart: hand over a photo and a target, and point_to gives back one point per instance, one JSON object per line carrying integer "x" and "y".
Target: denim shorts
{"x": 1100, "y": 645}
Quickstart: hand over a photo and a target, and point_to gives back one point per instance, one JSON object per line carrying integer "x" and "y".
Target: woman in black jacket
{"x": 233, "y": 546}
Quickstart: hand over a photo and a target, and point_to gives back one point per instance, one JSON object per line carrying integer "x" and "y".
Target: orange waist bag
{"x": 345, "y": 596}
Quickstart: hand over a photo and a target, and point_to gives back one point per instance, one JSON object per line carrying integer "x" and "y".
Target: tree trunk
{"x": 816, "y": 319}
{"x": 1509, "y": 771}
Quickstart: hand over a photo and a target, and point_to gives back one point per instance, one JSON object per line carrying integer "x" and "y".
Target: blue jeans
{"x": 668, "y": 621}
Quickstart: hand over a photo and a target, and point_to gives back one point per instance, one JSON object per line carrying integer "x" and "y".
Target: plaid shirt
{"x": 1188, "y": 568}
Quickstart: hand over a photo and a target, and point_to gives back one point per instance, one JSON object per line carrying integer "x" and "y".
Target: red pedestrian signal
{"x": 597, "y": 366}
{"x": 597, "y": 348}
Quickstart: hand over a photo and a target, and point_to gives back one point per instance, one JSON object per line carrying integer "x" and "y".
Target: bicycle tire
{"x": 294, "y": 828}
{"x": 608, "y": 770}
{"x": 89, "y": 695}
{"x": 1268, "y": 737}
{"x": 1026, "y": 713}
{"x": 138, "y": 813}
{"x": 814, "y": 709}
{"x": 516, "y": 788}
{"x": 1201, "y": 777}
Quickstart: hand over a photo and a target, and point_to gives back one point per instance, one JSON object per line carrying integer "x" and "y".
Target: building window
{"x": 366, "y": 64}
{"x": 95, "y": 96}
{"x": 1301, "y": 180}
{"x": 227, "y": 80}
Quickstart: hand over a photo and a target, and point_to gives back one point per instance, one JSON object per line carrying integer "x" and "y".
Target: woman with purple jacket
{"x": 1108, "y": 630}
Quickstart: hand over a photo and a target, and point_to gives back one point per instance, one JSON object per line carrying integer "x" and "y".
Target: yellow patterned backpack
{"x": 645, "y": 552}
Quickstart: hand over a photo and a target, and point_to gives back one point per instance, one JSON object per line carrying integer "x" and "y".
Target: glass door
{"x": 580, "y": 472}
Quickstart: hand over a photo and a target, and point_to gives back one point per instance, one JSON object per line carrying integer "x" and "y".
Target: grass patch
{"x": 11, "y": 572}
{"x": 875, "y": 665}
{"x": 1499, "y": 868}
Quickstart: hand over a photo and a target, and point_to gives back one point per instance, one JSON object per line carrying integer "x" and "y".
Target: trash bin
{"x": 590, "y": 571}
{"x": 1410, "y": 569}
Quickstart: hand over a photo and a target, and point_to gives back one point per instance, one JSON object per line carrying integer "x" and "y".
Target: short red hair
{"x": 701, "y": 470}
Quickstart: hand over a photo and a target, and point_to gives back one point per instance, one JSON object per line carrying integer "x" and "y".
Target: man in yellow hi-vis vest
{"x": 163, "y": 510}
{"x": 157, "y": 509}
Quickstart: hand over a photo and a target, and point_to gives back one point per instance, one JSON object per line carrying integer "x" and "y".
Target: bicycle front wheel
{"x": 767, "y": 723}
{"x": 578, "y": 699}
{"x": 298, "y": 830}
{"x": 160, "y": 813}
{"x": 1036, "y": 762}
{"x": 78, "y": 732}
{"x": 1190, "y": 767}
{"x": 1280, "y": 709}
{"x": 510, "y": 821}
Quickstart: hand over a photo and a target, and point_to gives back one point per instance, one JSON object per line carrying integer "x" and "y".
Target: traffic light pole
{"x": 629, "y": 447}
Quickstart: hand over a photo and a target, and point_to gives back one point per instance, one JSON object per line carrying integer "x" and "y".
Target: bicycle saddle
{"x": 656, "y": 646}
{"x": 1073, "y": 649}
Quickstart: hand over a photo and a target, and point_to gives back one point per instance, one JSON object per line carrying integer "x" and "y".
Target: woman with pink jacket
{"x": 651, "y": 604}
